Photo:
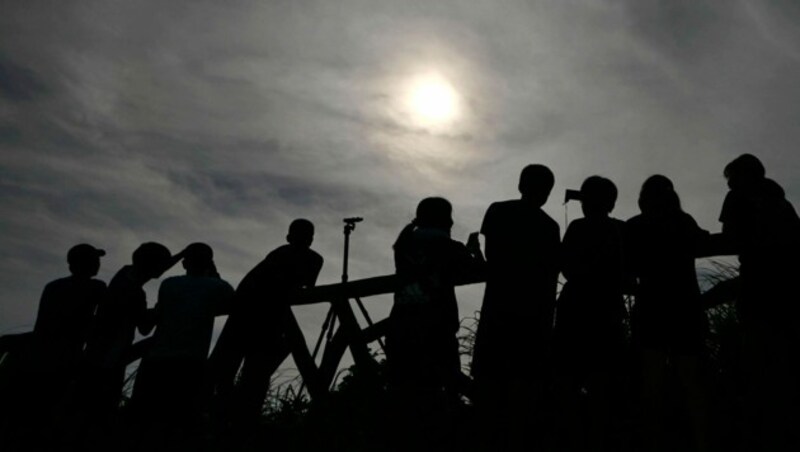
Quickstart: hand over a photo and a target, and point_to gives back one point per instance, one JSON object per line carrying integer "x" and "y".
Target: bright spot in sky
{"x": 432, "y": 100}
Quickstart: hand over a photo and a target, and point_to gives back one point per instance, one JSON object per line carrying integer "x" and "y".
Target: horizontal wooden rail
{"x": 361, "y": 288}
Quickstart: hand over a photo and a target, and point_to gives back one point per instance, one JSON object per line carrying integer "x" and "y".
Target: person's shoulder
{"x": 686, "y": 217}
{"x": 576, "y": 223}
{"x": 634, "y": 220}
{"x": 772, "y": 189}
{"x": 315, "y": 256}
{"x": 285, "y": 251}
{"x": 735, "y": 205}
{"x": 274, "y": 253}
{"x": 172, "y": 284}
{"x": 208, "y": 284}
{"x": 616, "y": 221}
{"x": 687, "y": 221}
{"x": 177, "y": 279}
{"x": 59, "y": 283}
{"x": 225, "y": 285}
{"x": 121, "y": 279}
{"x": 504, "y": 206}
{"x": 218, "y": 283}
{"x": 96, "y": 284}
{"x": 547, "y": 220}
{"x": 455, "y": 244}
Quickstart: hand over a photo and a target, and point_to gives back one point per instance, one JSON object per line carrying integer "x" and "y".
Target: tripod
{"x": 328, "y": 326}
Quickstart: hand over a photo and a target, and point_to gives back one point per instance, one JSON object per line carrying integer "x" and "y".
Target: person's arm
{"x": 147, "y": 318}
{"x": 487, "y": 227}
{"x": 628, "y": 260}
{"x": 701, "y": 243}
{"x": 474, "y": 246}
{"x": 311, "y": 273}
{"x": 172, "y": 261}
{"x": 465, "y": 264}
{"x": 732, "y": 217}
{"x": 225, "y": 299}
{"x": 43, "y": 316}
{"x": 570, "y": 259}
{"x": 98, "y": 294}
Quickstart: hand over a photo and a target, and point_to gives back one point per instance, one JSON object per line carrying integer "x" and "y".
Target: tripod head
{"x": 350, "y": 224}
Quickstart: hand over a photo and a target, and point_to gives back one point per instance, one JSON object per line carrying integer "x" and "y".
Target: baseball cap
{"x": 82, "y": 252}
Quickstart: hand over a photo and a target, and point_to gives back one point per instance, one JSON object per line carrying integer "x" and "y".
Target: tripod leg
{"x": 352, "y": 330}
{"x": 369, "y": 320}
{"x": 332, "y": 357}
{"x": 325, "y": 325}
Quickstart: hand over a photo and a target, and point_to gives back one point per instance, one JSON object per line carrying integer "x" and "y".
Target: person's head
{"x": 84, "y": 260}
{"x": 744, "y": 172}
{"x": 598, "y": 196}
{"x": 198, "y": 259}
{"x": 658, "y": 196}
{"x": 434, "y": 212}
{"x": 301, "y": 233}
{"x": 151, "y": 259}
{"x": 535, "y": 183}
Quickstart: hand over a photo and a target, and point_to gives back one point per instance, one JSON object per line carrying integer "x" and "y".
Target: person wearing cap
{"x": 170, "y": 379}
{"x": 121, "y": 312}
{"x": 63, "y": 322}
{"x": 261, "y": 330}
{"x": 66, "y": 309}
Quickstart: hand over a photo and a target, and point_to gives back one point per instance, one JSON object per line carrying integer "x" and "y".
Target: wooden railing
{"x": 349, "y": 334}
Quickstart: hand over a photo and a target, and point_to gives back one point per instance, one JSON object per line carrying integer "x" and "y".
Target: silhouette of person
{"x": 66, "y": 310}
{"x": 589, "y": 330}
{"x": 63, "y": 321}
{"x": 424, "y": 318}
{"x": 261, "y": 331}
{"x": 762, "y": 226}
{"x": 171, "y": 378}
{"x": 668, "y": 320}
{"x": 511, "y": 357}
{"x": 421, "y": 345}
{"x": 119, "y": 315}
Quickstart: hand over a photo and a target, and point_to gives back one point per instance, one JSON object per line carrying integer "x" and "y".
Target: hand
{"x": 181, "y": 254}
{"x": 473, "y": 243}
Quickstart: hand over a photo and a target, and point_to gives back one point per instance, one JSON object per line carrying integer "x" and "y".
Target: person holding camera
{"x": 589, "y": 342}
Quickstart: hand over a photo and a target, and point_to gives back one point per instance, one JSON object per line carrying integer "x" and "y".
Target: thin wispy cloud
{"x": 124, "y": 122}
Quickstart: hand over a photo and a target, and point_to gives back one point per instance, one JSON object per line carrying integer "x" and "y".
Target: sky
{"x": 123, "y": 122}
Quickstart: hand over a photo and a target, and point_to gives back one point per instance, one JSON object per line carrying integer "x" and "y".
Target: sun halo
{"x": 432, "y": 101}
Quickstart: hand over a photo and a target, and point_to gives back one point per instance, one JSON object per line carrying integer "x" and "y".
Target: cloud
{"x": 18, "y": 84}
{"x": 123, "y": 122}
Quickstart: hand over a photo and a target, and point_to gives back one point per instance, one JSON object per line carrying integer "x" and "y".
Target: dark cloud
{"x": 9, "y": 136}
{"x": 19, "y": 84}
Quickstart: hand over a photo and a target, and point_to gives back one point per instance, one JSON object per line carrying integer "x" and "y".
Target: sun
{"x": 432, "y": 100}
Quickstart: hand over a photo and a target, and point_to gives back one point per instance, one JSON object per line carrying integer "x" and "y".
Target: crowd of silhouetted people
{"x": 550, "y": 370}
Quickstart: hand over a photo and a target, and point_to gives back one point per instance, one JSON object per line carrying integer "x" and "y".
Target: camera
{"x": 572, "y": 195}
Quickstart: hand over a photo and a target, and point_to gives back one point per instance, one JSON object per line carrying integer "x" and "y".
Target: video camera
{"x": 353, "y": 220}
{"x": 572, "y": 195}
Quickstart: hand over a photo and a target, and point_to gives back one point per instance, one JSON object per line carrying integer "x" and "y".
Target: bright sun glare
{"x": 432, "y": 100}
